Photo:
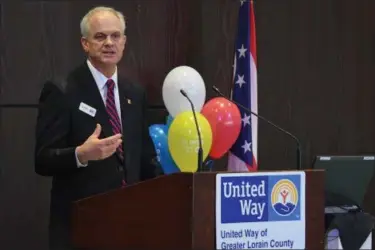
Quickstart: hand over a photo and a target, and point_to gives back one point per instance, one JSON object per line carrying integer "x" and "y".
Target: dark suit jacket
{"x": 61, "y": 127}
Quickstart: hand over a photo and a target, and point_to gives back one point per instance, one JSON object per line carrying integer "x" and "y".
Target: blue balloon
{"x": 159, "y": 135}
{"x": 168, "y": 121}
{"x": 210, "y": 165}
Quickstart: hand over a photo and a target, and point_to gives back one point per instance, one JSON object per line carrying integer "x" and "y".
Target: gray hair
{"x": 85, "y": 20}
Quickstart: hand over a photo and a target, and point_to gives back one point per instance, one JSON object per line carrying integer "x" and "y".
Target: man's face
{"x": 106, "y": 41}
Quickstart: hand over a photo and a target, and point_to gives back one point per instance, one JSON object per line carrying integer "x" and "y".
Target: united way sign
{"x": 260, "y": 210}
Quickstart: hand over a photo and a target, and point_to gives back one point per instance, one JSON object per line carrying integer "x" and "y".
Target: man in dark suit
{"x": 92, "y": 134}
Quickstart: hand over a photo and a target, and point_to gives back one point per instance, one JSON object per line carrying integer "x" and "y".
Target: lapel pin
{"x": 129, "y": 101}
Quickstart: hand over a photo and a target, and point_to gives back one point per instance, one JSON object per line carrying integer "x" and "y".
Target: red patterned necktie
{"x": 113, "y": 114}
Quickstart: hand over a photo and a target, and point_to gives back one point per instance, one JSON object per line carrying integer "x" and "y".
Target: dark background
{"x": 315, "y": 61}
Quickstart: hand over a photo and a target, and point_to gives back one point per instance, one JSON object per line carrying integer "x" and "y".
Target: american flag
{"x": 243, "y": 154}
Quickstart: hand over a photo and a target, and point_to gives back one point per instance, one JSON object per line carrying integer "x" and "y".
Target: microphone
{"x": 299, "y": 154}
{"x": 200, "y": 150}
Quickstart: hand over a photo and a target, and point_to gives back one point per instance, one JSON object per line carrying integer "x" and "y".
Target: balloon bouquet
{"x": 176, "y": 142}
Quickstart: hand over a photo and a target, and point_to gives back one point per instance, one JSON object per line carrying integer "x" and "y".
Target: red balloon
{"x": 225, "y": 120}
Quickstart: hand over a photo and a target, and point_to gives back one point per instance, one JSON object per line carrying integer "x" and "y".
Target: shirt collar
{"x": 99, "y": 78}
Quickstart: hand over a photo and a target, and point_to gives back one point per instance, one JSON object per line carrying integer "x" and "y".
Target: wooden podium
{"x": 172, "y": 212}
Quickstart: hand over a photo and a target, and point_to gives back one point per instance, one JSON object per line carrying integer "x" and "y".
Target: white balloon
{"x": 188, "y": 79}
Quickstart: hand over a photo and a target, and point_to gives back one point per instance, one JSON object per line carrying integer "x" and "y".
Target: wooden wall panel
{"x": 24, "y": 196}
{"x": 315, "y": 64}
{"x": 33, "y": 48}
{"x": 49, "y": 44}
{"x": 315, "y": 61}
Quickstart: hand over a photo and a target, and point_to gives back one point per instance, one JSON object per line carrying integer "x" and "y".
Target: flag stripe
{"x": 253, "y": 46}
{"x": 254, "y": 85}
{"x": 243, "y": 154}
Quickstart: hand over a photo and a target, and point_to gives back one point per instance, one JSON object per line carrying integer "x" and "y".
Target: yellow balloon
{"x": 183, "y": 140}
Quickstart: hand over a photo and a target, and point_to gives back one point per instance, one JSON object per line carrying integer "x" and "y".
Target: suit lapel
{"x": 93, "y": 97}
{"x": 102, "y": 116}
{"x": 126, "y": 106}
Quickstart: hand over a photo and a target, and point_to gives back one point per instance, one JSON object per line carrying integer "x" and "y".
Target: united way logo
{"x": 259, "y": 197}
{"x": 284, "y": 197}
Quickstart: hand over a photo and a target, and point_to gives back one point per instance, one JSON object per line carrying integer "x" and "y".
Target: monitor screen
{"x": 346, "y": 178}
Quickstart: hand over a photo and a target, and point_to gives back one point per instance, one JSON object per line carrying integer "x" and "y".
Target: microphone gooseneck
{"x": 299, "y": 151}
{"x": 200, "y": 149}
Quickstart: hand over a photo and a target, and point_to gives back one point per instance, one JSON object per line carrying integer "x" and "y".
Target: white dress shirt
{"x": 101, "y": 81}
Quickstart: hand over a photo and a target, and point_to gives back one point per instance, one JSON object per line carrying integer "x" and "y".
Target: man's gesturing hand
{"x": 97, "y": 149}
